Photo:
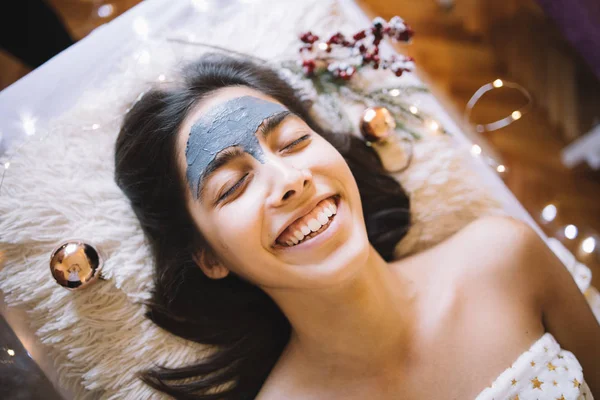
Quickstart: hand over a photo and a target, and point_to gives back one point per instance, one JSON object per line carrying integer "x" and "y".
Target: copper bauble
{"x": 75, "y": 264}
{"x": 377, "y": 123}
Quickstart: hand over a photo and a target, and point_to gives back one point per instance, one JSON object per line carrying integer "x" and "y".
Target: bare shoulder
{"x": 496, "y": 253}
{"x": 525, "y": 269}
{"x": 490, "y": 250}
{"x": 501, "y": 232}
{"x": 502, "y": 244}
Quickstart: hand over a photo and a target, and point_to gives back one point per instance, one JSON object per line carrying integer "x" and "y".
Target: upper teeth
{"x": 299, "y": 230}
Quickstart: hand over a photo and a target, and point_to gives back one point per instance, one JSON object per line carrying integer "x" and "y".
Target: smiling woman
{"x": 273, "y": 240}
{"x": 216, "y": 196}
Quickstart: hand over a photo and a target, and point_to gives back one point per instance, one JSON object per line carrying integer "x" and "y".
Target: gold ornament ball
{"x": 75, "y": 264}
{"x": 377, "y": 123}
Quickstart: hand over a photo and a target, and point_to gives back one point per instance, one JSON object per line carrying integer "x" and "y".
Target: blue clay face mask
{"x": 233, "y": 123}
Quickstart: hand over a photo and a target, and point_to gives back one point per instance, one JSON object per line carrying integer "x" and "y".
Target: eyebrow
{"x": 232, "y": 152}
{"x": 271, "y": 123}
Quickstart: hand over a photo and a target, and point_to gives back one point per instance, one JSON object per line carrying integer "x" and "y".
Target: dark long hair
{"x": 245, "y": 328}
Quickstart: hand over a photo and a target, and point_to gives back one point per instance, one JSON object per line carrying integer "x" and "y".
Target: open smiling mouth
{"x": 311, "y": 225}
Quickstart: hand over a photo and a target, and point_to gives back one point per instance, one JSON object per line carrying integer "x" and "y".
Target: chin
{"x": 341, "y": 267}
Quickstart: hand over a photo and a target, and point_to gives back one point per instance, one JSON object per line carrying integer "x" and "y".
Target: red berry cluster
{"x": 308, "y": 66}
{"x": 341, "y": 70}
{"x": 364, "y": 45}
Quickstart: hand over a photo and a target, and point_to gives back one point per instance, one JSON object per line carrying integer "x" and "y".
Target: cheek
{"x": 322, "y": 153}
{"x": 230, "y": 232}
{"x": 332, "y": 163}
{"x": 237, "y": 233}
{"x": 238, "y": 229}
{"x": 239, "y": 244}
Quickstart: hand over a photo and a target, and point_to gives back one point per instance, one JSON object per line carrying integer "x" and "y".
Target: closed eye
{"x": 296, "y": 142}
{"x": 239, "y": 183}
{"x": 232, "y": 189}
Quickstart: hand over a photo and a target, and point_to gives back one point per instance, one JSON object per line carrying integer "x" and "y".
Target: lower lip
{"x": 318, "y": 240}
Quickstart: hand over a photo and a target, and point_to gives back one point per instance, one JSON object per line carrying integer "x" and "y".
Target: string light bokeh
{"x": 569, "y": 233}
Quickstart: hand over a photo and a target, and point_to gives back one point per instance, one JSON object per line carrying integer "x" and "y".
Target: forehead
{"x": 218, "y": 97}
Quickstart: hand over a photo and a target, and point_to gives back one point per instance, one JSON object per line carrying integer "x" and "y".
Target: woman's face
{"x": 252, "y": 205}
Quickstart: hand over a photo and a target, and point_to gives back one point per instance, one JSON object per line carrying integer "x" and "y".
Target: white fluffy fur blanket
{"x": 62, "y": 187}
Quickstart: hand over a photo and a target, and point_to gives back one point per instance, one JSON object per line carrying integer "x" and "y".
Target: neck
{"x": 353, "y": 327}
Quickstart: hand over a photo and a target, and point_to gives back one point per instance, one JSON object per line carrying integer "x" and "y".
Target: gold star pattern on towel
{"x": 514, "y": 382}
{"x": 551, "y": 367}
{"x": 537, "y": 384}
{"x": 562, "y": 397}
{"x": 559, "y": 356}
{"x": 516, "y": 397}
{"x": 566, "y": 368}
{"x": 545, "y": 349}
{"x": 576, "y": 383}
{"x": 533, "y": 363}
{"x": 554, "y": 383}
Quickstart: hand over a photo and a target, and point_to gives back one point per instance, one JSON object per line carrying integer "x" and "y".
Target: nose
{"x": 288, "y": 181}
